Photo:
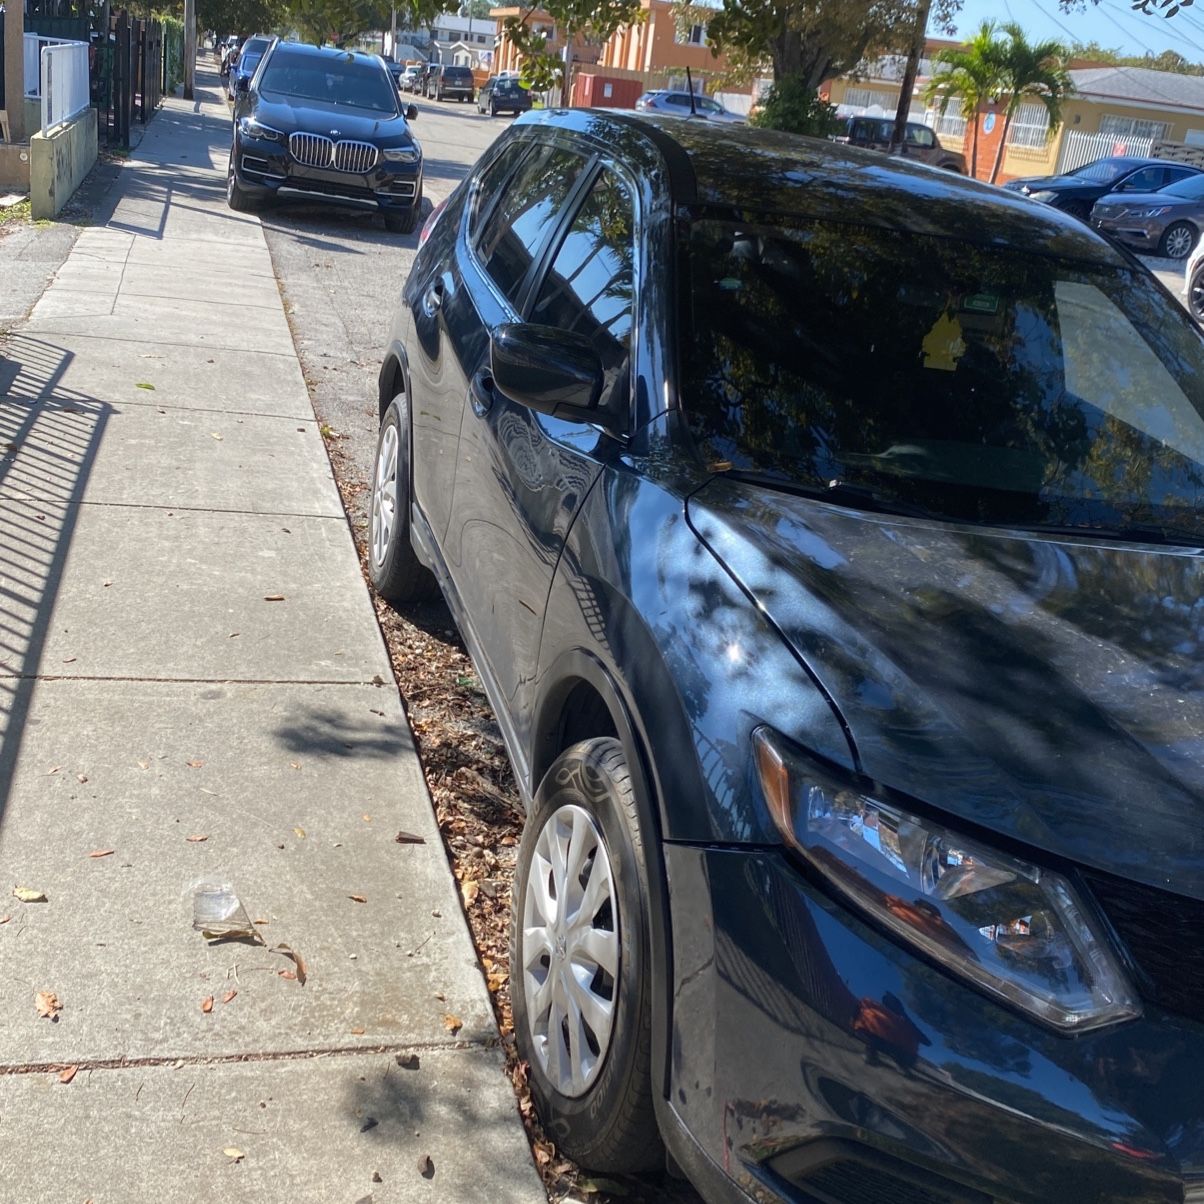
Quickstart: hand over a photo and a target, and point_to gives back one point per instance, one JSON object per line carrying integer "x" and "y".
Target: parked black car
{"x": 244, "y": 66}
{"x": 852, "y": 683}
{"x": 1076, "y": 191}
{"x": 326, "y": 123}
{"x": 502, "y": 95}
{"x": 450, "y": 83}
{"x": 919, "y": 141}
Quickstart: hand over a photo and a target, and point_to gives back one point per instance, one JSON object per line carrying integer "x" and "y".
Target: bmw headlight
{"x": 1014, "y": 930}
{"x": 250, "y": 128}
{"x": 1043, "y": 194}
{"x": 402, "y": 154}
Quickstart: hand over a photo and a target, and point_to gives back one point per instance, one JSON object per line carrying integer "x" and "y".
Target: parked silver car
{"x": 1167, "y": 222}
{"x": 678, "y": 103}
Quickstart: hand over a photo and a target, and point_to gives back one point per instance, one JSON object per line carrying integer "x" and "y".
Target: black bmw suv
{"x": 828, "y": 534}
{"x": 325, "y": 123}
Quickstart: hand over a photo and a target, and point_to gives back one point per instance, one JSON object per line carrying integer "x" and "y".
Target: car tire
{"x": 405, "y": 221}
{"x": 396, "y": 572}
{"x": 237, "y": 196}
{"x": 1178, "y": 240}
{"x": 585, "y": 816}
{"x": 493, "y": 110}
{"x": 1195, "y": 294}
{"x": 1079, "y": 209}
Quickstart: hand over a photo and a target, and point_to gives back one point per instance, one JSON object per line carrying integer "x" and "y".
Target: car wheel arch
{"x": 394, "y": 378}
{"x": 584, "y": 701}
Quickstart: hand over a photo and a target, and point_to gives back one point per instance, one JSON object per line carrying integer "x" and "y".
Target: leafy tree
{"x": 591, "y": 21}
{"x": 342, "y": 22}
{"x": 1149, "y": 8}
{"x": 479, "y": 9}
{"x": 970, "y": 72}
{"x": 1029, "y": 72}
{"x": 792, "y": 107}
{"x": 816, "y": 39}
{"x": 241, "y": 16}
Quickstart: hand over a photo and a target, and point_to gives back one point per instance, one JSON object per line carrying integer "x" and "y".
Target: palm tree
{"x": 970, "y": 72}
{"x": 1029, "y": 72}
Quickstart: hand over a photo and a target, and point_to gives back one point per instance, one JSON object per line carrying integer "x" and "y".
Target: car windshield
{"x": 982, "y": 384}
{"x": 341, "y": 80}
{"x": 1192, "y": 188}
{"x": 1104, "y": 170}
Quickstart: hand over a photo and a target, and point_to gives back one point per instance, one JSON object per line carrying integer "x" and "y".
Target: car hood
{"x": 1049, "y": 689}
{"x": 1144, "y": 200}
{"x": 289, "y": 115}
{"x": 1052, "y": 184}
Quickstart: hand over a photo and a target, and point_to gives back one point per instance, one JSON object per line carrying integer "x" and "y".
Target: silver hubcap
{"x": 570, "y": 950}
{"x": 384, "y": 494}
{"x": 1197, "y": 295}
{"x": 1179, "y": 243}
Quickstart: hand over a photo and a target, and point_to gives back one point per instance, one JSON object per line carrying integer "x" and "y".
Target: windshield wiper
{"x": 1129, "y": 533}
{"x": 839, "y": 493}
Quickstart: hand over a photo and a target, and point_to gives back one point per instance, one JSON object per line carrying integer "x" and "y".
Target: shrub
{"x": 793, "y": 107}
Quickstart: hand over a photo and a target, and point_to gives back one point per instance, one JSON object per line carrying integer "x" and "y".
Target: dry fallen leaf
{"x": 53, "y": 770}
{"x": 286, "y": 974}
{"x": 273, "y": 597}
{"x": 194, "y": 764}
{"x": 409, "y": 838}
{"x": 5, "y": 919}
{"x": 47, "y": 1003}
{"x": 207, "y": 1004}
{"x": 196, "y": 839}
{"x": 81, "y": 777}
{"x": 234, "y": 1153}
{"x": 229, "y": 995}
{"x": 68, "y": 1074}
{"x": 102, "y": 852}
{"x": 68, "y": 660}
{"x": 299, "y": 833}
{"x": 28, "y": 894}
{"x": 453, "y": 1024}
{"x": 469, "y": 889}
{"x": 408, "y": 1061}
{"x": 295, "y": 958}
{"x": 426, "y": 1168}
{"x": 357, "y": 898}
{"x": 143, "y": 764}
{"x": 357, "y": 1031}
{"x": 215, "y": 435}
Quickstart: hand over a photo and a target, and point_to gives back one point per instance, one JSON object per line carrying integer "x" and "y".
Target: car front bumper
{"x": 266, "y": 164}
{"x": 1142, "y": 233}
{"x": 813, "y": 1057}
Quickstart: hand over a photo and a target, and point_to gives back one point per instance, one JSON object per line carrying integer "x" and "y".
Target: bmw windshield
{"x": 933, "y": 376}
{"x": 341, "y": 80}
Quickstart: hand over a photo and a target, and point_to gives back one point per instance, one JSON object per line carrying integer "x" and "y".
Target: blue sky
{"x": 1111, "y": 23}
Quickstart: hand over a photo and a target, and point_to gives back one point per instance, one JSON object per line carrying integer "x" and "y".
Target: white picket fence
{"x": 56, "y": 73}
{"x": 1079, "y": 147}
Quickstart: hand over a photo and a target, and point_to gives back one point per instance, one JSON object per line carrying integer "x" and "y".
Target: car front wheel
{"x": 579, "y": 962}
{"x": 1195, "y": 294}
{"x": 1178, "y": 241}
{"x": 396, "y": 571}
{"x": 237, "y": 196}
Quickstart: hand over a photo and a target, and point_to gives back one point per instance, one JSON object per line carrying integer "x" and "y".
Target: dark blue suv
{"x": 827, "y": 534}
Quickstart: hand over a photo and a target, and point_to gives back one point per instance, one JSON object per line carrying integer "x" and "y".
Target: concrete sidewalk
{"x": 162, "y": 481}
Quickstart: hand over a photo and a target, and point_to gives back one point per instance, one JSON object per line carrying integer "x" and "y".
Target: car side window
{"x": 515, "y": 228}
{"x": 492, "y": 181}
{"x": 1175, "y": 174}
{"x": 1148, "y": 179}
{"x": 921, "y": 135}
{"x": 590, "y": 286}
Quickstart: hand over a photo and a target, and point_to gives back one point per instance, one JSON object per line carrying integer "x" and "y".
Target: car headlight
{"x": 1015, "y": 930}
{"x": 1043, "y": 194}
{"x": 250, "y": 128}
{"x": 402, "y": 154}
{"x": 1155, "y": 211}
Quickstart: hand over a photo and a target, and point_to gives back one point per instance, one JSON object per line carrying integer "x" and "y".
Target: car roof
{"x": 744, "y": 168}
{"x": 298, "y": 50}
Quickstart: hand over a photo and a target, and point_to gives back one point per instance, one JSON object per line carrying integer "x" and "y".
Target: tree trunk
{"x": 974, "y": 145}
{"x": 1003, "y": 141}
{"x": 914, "y": 52}
{"x": 787, "y": 54}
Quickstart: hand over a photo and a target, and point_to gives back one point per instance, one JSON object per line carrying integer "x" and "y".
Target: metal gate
{"x": 1079, "y": 147}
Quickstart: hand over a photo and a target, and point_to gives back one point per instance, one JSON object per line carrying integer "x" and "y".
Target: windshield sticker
{"x": 980, "y": 303}
{"x": 943, "y": 345}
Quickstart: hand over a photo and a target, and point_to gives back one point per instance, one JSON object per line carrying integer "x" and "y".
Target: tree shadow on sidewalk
{"x": 49, "y": 438}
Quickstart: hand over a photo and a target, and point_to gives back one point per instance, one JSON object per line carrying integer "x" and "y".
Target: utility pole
{"x": 14, "y": 68}
{"x": 189, "y": 48}
{"x": 914, "y": 53}
{"x": 393, "y": 33}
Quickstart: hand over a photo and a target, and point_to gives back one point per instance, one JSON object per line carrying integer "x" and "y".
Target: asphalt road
{"x": 341, "y": 274}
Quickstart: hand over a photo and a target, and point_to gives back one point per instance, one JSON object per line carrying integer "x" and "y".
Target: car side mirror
{"x": 411, "y": 112}
{"x": 555, "y": 372}
{"x": 242, "y": 85}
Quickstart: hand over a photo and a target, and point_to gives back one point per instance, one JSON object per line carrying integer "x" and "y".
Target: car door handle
{"x": 433, "y": 299}
{"x": 480, "y": 393}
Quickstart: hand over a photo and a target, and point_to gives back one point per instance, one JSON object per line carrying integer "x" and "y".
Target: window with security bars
{"x": 950, "y": 123}
{"x": 1132, "y": 127}
{"x": 866, "y": 98}
{"x": 1030, "y": 126}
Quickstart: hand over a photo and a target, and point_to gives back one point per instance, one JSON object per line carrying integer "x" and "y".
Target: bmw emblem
{"x": 335, "y": 133}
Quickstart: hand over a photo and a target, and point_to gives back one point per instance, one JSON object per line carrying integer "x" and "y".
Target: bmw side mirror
{"x": 555, "y": 372}
{"x": 242, "y": 85}
{"x": 411, "y": 112}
